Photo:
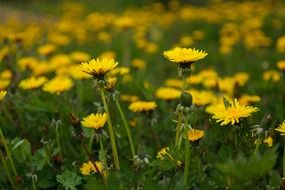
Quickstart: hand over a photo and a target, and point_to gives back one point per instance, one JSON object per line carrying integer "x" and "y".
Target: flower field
{"x": 145, "y": 95}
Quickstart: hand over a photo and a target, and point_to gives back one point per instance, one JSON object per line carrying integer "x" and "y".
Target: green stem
{"x": 111, "y": 132}
{"x": 284, "y": 162}
{"x": 33, "y": 183}
{"x": 57, "y": 137}
{"x": 7, "y": 170}
{"x": 180, "y": 115}
{"x": 104, "y": 153}
{"x": 127, "y": 128}
{"x": 184, "y": 84}
{"x": 178, "y": 129}
{"x": 8, "y": 153}
{"x": 93, "y": 162}
{"x": 187, "y": 152}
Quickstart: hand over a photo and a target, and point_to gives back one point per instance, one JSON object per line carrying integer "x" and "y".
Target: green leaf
{"x": 39, "y": 159}
{"x": 21, "y": 149}
{"x": 69, "y": 180}
{"x": 243, "y": 169}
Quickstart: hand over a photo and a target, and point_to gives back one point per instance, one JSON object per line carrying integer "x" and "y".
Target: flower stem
{"x": 127, "y": 128}
{"x": 187, "y": 152}
{"x": 180, "y": 115}
{"x": 33, "y": 183}
{"x": 111, "y": 132}
{"x": 93, "y": 162}
{"x": 7, "y": 170}
{"x": 284, "y": 162}
{"x": 8, "y": 153}
{"x": 178, "y": 129}
{"x": 104, "y": 153}
{"x": 57, "y": 137}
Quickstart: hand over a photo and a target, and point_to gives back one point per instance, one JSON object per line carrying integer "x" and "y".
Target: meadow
{"x": 146, "y": 95}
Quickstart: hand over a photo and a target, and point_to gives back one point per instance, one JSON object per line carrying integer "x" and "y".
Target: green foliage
{"x": 69, "y": 180}
{"x": 243, "y": 170}
{"x": 21, "y": 150}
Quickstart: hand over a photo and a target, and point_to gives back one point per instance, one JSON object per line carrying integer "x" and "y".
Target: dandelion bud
{"x": 75, "y": 121}
{"x": 186, "y": 99}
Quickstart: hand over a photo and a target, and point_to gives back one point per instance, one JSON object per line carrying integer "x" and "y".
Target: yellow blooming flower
{"x": 2, "y": 94}
{"x": 281, "y": 128}
{"x": 195, "y": 134}
{"x": 272, "y": 75}
{"x": 268, "y": 141}
{"x": 167, "y": 93}
{"x": 138, "y": 63}
{"x": 141, "y": 106}
{"x": 6, "y": 74}
{"x": 184, "y": 55}
{"x": 88, "y": 168}
{"x": 95, "y": 121}
{"x": 247, "y": 99}
{"x": 4, "y": 83}
{"x": 174, "y": 83}
{"x": 234, "y": 113}
{"x": 98, "y": 67}
{"x": 281, "y": 65}
{"x": 32, "y": 83}
{"x": 79, "y": 56}
{"x": 162, "y": 153}
{"x": 129, "y": 98}
{"x": 58, "y": 84}
{"x": 280, "y": 44}
{"x": 111, "y": 82}
{"x": 46, "y": 49}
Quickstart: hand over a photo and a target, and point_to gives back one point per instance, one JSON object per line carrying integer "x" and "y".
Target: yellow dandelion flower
{"x": 281, "y": 128}
{"x": 234, "y": 113}
{"x": 98, "y": 67}
{"x": 120, "y": 71}
{"x": 108, "y": 55}
{"x": 111, "y": 82}
{"x": 141, "y": 106}
{"x": 280, "y": 44}
{"x": 2, "y": 94}
{"x": 167, "y": 93}
{"x": 58, "y": 85}
{"x": 247, "y": 99}
{"x": 95, "y": 121}
{"x": 184, "y": 55}
{"x": 6, "y": 74}
{"x": 79, "y": 56}
{"x": 46, "y": 49}
{"x": 162, "y": 153}
{"x": 174, "y": 83}
{"x": 32, "y": 83}
{"x": 4, "y": 83}
{"x": 129, "y": 98}
{"x": 88, "y": 168}
{"x": 272, "y": 75}
{"x": 195, "y": 134}
{"x": 281, "y": 65}
{"x": 138, "y": 63}
{"x": 268, "y": 141}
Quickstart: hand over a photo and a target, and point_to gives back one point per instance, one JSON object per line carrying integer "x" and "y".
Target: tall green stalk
{"x": 284, "y": 162}
{"x": 180, "y": 116}
{"x": 111, "y": 131}
{"x": 8, "y": 153}
{"x": 7, "y": 171}
{"x": 127, "y": 128}
{"x": 187, "y": 152}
